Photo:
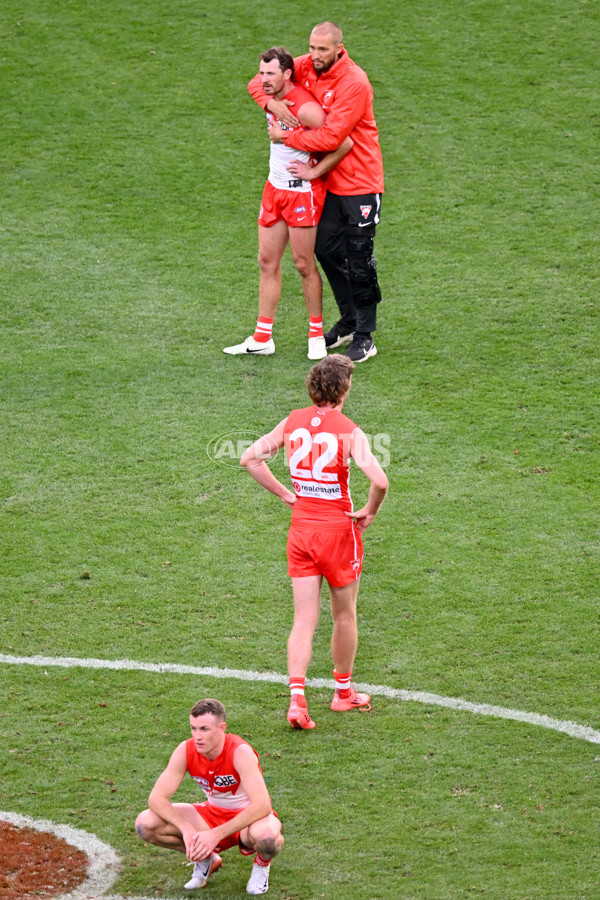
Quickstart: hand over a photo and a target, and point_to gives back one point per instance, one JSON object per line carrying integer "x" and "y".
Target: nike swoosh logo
{"x": 248, "y": 350}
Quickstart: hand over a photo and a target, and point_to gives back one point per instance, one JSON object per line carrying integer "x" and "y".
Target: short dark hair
{"x": 209, "y": 707}
{"x": 329, "y": 379}
{"x": 286, "y": 60}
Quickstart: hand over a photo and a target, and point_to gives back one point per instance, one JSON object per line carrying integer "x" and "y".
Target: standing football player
{"x": 290, "y": 210}
{"x": 352, "y": 209}
{"x": 324, "y": 539}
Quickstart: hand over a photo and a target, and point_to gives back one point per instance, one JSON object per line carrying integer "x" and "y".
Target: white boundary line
{"x": 581, "y": 732}
{"x": 103, "y": 862}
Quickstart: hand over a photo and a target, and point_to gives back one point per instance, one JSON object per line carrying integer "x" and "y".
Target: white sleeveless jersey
{"x": 282, "y": 156}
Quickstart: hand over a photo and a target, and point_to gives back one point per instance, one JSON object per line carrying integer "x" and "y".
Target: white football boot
{"x": 202, "y": 872}
{"x": 317, "y": 348}
{"x": 258, "y": 883}
{"x": 250, "y": 347}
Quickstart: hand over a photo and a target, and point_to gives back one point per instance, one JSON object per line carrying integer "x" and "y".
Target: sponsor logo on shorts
{"x": 300, "y": 209}
{"x": 355, "y": 564}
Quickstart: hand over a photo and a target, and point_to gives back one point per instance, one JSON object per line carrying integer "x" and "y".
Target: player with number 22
{"x": 324, "y": 539}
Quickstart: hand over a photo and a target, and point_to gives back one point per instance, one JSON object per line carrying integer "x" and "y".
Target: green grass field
{"x": 132, "y": 166}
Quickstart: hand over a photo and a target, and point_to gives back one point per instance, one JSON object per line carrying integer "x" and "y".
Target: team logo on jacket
{"x": 327, "y": 98}
{"x": 365, "y": 211}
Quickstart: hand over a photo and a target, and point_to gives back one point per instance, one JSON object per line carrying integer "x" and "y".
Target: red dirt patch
{"x": 36, "y": 864}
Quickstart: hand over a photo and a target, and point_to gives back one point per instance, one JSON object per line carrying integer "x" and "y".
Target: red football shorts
{"x": 336, "y": 555}
{"x": 299, "y": 209}
{"x": 214, "y": 816}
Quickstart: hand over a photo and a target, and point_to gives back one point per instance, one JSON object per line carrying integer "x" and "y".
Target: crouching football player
{"x": 237, "y": 810}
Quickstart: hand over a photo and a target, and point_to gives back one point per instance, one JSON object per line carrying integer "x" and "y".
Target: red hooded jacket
{"x": 346, "y": 95}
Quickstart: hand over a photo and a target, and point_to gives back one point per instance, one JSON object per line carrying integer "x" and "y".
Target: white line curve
{"x": 573, "y": 729}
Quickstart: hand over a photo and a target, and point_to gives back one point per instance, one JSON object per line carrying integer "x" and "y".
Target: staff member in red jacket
{"x": 346, "y": 230}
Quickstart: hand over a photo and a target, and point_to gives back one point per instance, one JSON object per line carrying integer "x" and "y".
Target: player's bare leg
{"x": 302, "y": 246}
{"x": 344, "y": 642}
{"x": 154, "y": 830}
{"x": 272, "y": 242}
{"x": 265, "y": 837}
{"x": 307, "y": 604}
{"x": 344, "y": 637}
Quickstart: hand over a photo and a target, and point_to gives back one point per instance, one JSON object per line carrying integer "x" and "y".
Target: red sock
{"x": 265, "y": 863}
{"x": 315, "y": 328}
{"x": 342, "y": 683}
{"x": 263, "y": 330}
{"x": 297, "y": 690}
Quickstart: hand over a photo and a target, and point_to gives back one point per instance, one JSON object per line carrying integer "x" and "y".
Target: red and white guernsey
{"x": 282, "y": 156}
{"x": 218, "y": 778}
{"x": 317, "y": 442}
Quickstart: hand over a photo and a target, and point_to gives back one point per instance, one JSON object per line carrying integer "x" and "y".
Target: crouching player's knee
{"x": 267, "y": 847}
{"x": 267, "y": 838}
{"x": 142, "y": 827}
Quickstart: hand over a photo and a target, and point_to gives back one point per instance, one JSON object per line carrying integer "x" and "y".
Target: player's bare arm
{"x": 362, "y": 455}
{"x": 253, "y": 784}
{"x": 282, "y": 109}
{"x": 309, "y": 173}
{"x": 311, "y": 115}
{"x": 160, "y": 796}
{"x": 253, "y": 460}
